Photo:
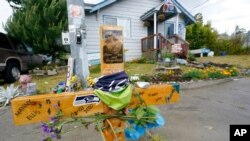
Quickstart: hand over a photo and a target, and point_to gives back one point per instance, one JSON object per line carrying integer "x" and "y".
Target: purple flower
{"x": 53, "y": 119}
{"x": 51, "y": 130}
{"x": 45, "y": 128}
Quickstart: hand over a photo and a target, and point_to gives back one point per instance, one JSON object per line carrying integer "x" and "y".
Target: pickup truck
{"x": 15, "y": 58}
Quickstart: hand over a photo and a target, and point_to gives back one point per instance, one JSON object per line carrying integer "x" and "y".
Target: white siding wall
{"x": 132, "y": 9}
{"x": 161, "y": 27}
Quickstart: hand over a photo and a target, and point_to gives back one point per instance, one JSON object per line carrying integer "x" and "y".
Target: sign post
{"x": 77, "y": 33}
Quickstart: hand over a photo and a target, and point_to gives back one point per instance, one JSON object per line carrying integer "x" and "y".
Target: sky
{"x": 223, "y": 14}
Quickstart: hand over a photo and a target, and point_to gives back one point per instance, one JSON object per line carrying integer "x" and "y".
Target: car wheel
{"x": 12, "y": 72}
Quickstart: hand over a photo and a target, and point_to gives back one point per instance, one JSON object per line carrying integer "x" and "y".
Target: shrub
{"x": 168, "y": 55}
{"x": 216, "y": 74}
{"x": 191, "y": 57}
{"x": 195, "y": 74}
{"x": 211, "y": 72}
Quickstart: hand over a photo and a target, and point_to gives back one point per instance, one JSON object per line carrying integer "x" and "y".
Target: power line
{"x": 201, "y": 4}
{"x": 219, "y": 1}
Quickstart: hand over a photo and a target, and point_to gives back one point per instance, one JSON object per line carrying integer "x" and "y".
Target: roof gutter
{"x": 102, "y": 5}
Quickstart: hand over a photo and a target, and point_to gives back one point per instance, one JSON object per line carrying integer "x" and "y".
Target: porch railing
{"x": 147, "y": 43}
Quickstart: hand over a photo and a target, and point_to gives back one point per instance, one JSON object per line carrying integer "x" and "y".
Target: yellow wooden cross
{"x": 40, "y": 108}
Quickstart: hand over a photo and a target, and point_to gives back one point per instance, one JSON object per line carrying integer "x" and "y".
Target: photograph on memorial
{"x": 113, "y": 46}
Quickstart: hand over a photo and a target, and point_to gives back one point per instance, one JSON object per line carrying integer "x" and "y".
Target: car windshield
{"x": 30, "y": 50}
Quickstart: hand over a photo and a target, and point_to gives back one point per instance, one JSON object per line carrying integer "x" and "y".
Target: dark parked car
{"x": 15, "y": 57}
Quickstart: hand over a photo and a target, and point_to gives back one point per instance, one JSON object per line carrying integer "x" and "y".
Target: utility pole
{"x": 77, "y": 35}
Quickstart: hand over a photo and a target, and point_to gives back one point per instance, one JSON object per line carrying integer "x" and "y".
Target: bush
{"x": 216, "y": 74}
{"x": 191, "y": 57}
{"x": 168, "y": 55}
{"x": 195, "y": 74}
{"x": 212, "y": 72}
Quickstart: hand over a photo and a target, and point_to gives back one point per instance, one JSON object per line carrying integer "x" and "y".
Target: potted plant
{"x": 6, "y": 94}
{"x": 161, "y": 17}
{"x": 147, "y": 23}
{"x": 168, "y": 57}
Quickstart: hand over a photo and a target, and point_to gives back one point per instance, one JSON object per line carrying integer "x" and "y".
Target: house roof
{"x": 189, "y": 15}
{"x": 102, "y": 5}
{"x": 149, "y": 13}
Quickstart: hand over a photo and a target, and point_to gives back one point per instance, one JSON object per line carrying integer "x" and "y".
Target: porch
{"x": 159, "y": 37}
{"x": 163, "y": 45}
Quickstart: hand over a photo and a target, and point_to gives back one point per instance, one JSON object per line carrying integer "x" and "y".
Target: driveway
{"x": 202, "y": 115}
{"x": 205, "y": 114}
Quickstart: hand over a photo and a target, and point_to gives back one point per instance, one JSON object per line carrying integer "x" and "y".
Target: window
{"x": 4, "y": 42}
{"x": 110, "y": 21}
{"x": 18, "y": 45}
{"x": 169, "y": 29}
{"x": 120, "y": 21}
{"x": 181, "y": 31}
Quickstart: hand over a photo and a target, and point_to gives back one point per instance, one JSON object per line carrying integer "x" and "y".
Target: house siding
{"x": 132, "y": 9}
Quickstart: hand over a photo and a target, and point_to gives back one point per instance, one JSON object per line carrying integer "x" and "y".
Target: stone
{"x": 36, "y": 71}
{"x": 200, "y": 66}
{"x": 247, "y": 72}
{"x": 52, "y": 72}
{"x": 181, "y": 61}
{"x": 207, "y": 64}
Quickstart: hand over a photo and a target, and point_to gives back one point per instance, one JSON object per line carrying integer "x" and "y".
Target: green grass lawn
{"x": 242, "y": 61}
{"x": 46, "y": 83}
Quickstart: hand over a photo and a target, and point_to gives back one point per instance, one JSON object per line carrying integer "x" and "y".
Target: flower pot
{"x": 167, "y": 60}
{"x": 161, "y": 17}
{"x": 147, "y": 23}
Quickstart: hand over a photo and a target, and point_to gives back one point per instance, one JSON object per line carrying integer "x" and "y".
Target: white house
{"x": 139, "y": 19}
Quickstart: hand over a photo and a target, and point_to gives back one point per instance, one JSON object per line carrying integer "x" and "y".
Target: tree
{"x": 238, "y": 38}
{"x": 199, "y": 17}
{"x": 39, "y": 23}
{"x": 199, "y": 35}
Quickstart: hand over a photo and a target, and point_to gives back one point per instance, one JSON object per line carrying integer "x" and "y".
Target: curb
{"x": 204, "y": 83}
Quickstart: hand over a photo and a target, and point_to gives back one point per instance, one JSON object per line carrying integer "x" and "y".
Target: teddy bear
{"x": 24, "y": 80}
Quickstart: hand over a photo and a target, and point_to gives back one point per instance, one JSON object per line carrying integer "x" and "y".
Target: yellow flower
{"x": 90, "y": 81}
{"x": 226, "y": 72}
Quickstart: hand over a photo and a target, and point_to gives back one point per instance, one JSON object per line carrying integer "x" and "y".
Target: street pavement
{"x": 203, "y": 114}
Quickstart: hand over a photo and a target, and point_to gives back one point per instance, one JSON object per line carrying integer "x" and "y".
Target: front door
{"x": 151, "y": 29}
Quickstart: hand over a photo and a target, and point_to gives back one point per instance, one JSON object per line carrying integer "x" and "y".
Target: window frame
{"x": 121, "y": 17}
{"x": 174, "y": 23}
{"x": 7, "y": 40}
{"x": 165, "y": 28}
